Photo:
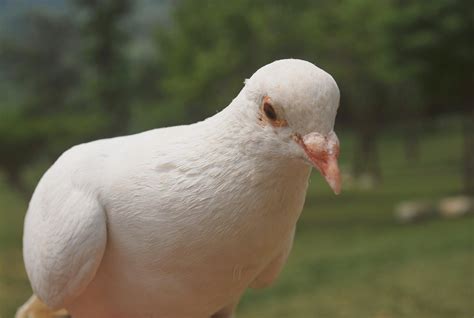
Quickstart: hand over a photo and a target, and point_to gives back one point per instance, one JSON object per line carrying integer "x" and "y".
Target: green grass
{"x": 14, "y": 287}
{"x": 350, "y": 258}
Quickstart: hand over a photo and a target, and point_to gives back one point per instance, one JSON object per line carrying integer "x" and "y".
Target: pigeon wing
{"x": 64, "y": 237}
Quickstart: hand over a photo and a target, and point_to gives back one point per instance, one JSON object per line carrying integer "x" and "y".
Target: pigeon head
{"x": 294, "y": 103}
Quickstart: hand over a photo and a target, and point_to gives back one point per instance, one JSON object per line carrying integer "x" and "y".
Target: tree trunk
{"x": 366, "y": 159}
{"x": 412, "y": 144}
{"x": 468, "y": 173}
{"x": 15, "y": 181}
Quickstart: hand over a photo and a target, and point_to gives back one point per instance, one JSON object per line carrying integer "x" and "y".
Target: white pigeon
{"x": 178, "y": 222}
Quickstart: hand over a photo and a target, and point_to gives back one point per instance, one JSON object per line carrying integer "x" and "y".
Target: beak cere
{"x": 323, "y": 152}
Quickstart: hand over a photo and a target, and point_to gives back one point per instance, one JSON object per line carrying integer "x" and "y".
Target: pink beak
{"x": 323, "y": 152}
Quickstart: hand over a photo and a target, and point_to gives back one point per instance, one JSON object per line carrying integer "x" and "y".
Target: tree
{"x": 436, "y": 48}
{"x": 38, "y": 62}
{"x": 212, "y": 46}
{"x": 106, "y": 79}
{"x": 353, "y": 44}
{"x": 65, "y": 99}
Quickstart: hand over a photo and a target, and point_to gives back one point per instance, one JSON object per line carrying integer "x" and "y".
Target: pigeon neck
{"x": 236, "y": 134}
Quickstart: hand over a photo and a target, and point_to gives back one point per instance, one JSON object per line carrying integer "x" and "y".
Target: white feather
{"x": 178, "y": 222}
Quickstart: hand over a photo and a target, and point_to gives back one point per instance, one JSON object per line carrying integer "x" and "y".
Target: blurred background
{"x": 398, "y": 242}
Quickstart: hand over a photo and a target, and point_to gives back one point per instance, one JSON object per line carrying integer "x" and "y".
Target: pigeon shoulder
{"x": 88, "y": 163}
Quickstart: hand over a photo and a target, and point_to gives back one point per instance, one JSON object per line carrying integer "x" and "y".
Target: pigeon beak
{"x": 323, "y": 152}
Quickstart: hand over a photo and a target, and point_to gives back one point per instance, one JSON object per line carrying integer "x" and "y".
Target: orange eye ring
{"x": 269, "y": 115}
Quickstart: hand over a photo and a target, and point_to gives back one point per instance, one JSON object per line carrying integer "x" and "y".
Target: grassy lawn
{"x": 351, "y": 258}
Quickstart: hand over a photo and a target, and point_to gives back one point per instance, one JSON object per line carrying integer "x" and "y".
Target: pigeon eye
{"x": 269, "y": 111}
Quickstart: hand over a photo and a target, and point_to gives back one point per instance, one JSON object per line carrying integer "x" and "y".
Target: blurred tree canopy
{"x": 41, "y": 68}
{"x": 106, "y": 67}
{"x": 387, "y": 57}
{"x": 75, "y": 79}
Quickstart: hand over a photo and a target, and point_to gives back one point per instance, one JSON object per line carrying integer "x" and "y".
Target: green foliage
{"x": 67, "y": 96}
{"x": 387, "y": 57}
{"x": 204, "y": 63}
{"x": 40, "y": 65}
{"x": 433, "y": 43}
{"x": 347, "y": 38}
{"x": 395, "y": 61}
{"x": 106, "y": 72}
{"x": 41, "y": 61}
